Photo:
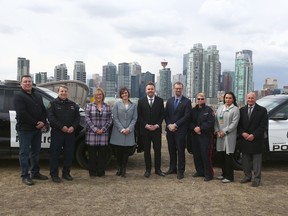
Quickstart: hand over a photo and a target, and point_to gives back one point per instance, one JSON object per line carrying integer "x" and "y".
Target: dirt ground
{"x": 137, "y": 195}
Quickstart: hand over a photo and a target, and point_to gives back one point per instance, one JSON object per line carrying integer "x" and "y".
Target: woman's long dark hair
{"x": 233, "y": 96}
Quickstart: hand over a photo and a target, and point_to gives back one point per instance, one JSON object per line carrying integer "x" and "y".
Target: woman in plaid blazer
{"x": 98, "y": 116}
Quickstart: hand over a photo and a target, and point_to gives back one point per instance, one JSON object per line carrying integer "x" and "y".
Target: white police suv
{"x": 9, "y": 143}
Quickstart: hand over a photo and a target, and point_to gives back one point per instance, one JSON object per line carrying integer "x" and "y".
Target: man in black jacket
{"x": 202, "y": 125}
{"x": 31, "y": 118}
{"x": 251, "y": 128}
{"x": 64, "y": 117}
{"x": 150, "y": 117}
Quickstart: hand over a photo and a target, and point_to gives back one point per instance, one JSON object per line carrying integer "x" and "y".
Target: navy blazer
{"x": 181, "y": 116}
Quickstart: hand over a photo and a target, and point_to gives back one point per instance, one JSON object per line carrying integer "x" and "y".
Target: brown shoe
{"x": 255, "y": 184}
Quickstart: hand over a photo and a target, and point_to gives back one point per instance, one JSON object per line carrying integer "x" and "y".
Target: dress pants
{"x": 176, "y": 148}
{"x": 156, "y": 140}
{"x": 202, "y": 155}
{"x": 252, "y": 162}
{"x": 227, "y": 165}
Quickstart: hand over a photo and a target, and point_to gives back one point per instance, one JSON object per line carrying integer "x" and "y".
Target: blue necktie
{"x": 175, "y": 103}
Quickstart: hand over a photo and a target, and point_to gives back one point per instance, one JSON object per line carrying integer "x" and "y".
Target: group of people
{"x": 249, "y": 123}
{"x": 116, "y": 126}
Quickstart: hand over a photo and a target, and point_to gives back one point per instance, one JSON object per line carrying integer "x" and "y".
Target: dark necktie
{"x": 249, "y": 111}
{"x": 176, "y": 103}
{"x": 150, "y": 102}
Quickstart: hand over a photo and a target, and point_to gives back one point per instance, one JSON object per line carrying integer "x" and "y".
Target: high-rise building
{"x": 79, "y": 72}
{"x": 145, "y": 78}
{"x": 194, "y": 77}
{"x": 182, "y": 79}
{"x": 165, "y": 90}
{"x": 60, "y": 72}
{"x": 227, "y": 81}
{"x": 270, "y": 83}
{"x": 211, "y": 72}
{"x": 243, "y": 75}
{"x": 135, "y": 85}
{"x": 203, "y": 71}
{"x": 109, "y": 79}
{"x": 41, "y": 77}
{"x": 23, "y": 67}
{"x": 135, "y": 68}
{"x": 124, "y": 76}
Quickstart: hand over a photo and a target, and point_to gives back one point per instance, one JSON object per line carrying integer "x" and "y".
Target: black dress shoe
{"x": 27, "y": 181}
{"x": 160, "y": 173}
{"x": 56, "y": 179}
{"x": 207, "y": 179}
{"x": 119, "y": 172}
{"x": 245, "y": 180}
{"x": 196, "y": 174}
{"x": 67, "y": 176}
{"x": 147, "y": 174}
{"x": 39, "y": 176}
{"x": 180, "y": 176}
{"x": 255, "y": 184}
{"x": 170, "y": 171}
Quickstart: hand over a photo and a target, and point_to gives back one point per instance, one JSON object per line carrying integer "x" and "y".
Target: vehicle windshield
{"x": 270, "y": 102}
{"x": 49, "y": 92}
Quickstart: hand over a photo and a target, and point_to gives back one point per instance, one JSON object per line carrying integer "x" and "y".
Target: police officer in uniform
{"x": 64, "y": 117}
{"x": 202, "y": 126}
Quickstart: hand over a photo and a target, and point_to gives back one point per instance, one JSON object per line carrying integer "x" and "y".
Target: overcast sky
{"x": 53, "y": 32}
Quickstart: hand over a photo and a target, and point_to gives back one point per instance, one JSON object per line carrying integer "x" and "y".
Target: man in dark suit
{"x": 150, "y": 117}
{"x": 177, "y": 116}
{"x": 251, "y": 128}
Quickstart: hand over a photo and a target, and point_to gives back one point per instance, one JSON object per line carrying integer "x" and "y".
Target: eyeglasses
{"x": 200, "y": 98}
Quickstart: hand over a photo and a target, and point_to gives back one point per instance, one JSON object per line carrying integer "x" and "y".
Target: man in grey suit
{"x": 251, "y": 128}
{"x": 177, "y": 117}
{"x": 150, "y": 117}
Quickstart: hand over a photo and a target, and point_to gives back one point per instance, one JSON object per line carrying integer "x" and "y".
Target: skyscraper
{"x": 145, "y": 78}
{"x": 79, "y": 72}
{"x": 211, "y": 72}
{"x": 194, "y": 77}
{"x": 109, "y": 79}
{"x": 23, "y": 67}
{"x": 41, "y": 77}
{"x": 124, "y": 76}
{"x": 60, "y": 72}
{"x": 165, "y": 90}
{"x": 135, "y": 68}
{"x": 243, "y": 75}
{"x": 227, "y": 82}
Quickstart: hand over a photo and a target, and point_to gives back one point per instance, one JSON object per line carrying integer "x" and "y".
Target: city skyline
{"x": 49, "y": 34}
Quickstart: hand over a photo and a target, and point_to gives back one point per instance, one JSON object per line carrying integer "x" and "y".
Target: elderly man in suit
{"x": 150, "y": 117}
{"x": 251, "y": 128}
{"x": 177, "y": 117}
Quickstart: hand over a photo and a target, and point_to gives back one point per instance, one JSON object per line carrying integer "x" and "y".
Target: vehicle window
{"x": 281, "y": 112}
{"x": 6, "y": 100}
{"x": 46, "y": 101}
{"x": 270, "y": 103}
{"x": 2, "y": 100}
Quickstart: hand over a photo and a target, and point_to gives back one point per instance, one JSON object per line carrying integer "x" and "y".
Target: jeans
{"x": 30, "y": 145}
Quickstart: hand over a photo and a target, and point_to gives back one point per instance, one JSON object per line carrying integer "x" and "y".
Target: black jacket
{"x": 63, "y": 113}
{"x": 29, "y": 110}
{"x": 204, "y": 118}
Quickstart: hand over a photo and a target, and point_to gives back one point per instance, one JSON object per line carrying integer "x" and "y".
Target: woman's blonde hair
{"x": 97, "y": 91}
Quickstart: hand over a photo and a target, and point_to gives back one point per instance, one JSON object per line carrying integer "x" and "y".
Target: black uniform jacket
{"x": 63, "y": 113}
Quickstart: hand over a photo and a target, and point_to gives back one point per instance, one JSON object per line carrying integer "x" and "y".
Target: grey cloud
{"x": 5, "y": 29}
